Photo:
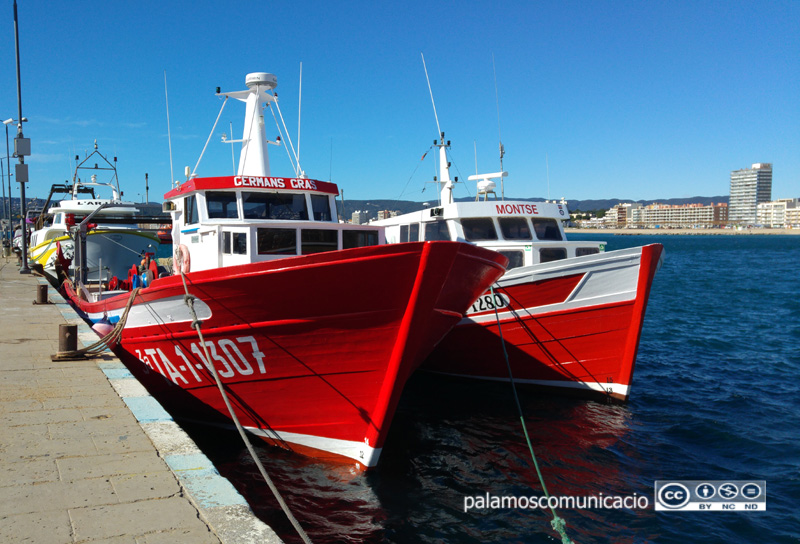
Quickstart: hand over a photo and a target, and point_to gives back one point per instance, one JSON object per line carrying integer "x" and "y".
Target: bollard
{"x": 67, "y": 338}
{"x": 41, "y": 295}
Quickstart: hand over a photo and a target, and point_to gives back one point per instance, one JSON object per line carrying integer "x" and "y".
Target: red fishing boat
{"x": 313, "y": 325}
{"x": 569, "y": 313}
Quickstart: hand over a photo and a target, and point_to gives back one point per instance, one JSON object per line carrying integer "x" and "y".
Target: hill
{"x": 372, "y": 207}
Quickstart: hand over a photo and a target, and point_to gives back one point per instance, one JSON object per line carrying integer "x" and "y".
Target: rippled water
{"x": 715, "y": 396}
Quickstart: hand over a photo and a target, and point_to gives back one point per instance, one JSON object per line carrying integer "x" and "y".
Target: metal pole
{"x": 2, "y": 168}
{"x": 8, "y": 162}
{"x": 24, "y": 269}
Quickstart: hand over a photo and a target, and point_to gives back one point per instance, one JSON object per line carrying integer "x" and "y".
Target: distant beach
{"x": 705, "y": 232}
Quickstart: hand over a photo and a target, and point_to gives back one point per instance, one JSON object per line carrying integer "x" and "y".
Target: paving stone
{"x": 129, "y": 518}
{"x": 27, "y": 499}
{"x": 37, "y": 527}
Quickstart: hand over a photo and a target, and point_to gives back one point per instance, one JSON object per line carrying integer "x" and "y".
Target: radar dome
{"x": 486, "y": 186}
{"x": 262, "y": 79}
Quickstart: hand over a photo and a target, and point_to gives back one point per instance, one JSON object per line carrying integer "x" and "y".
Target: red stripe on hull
{"x": 326, "y": 359}
{"x": 593, "y": 345}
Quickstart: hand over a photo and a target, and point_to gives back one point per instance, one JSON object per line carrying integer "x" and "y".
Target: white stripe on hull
{"x": 357, "y": 451}
{"x": 160, "y": 312}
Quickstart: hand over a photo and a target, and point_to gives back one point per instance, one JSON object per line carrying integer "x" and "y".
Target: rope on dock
{"x": 189, "y": 300}
{"x": 106, "y": 342}
{"x": 558, "y": 524}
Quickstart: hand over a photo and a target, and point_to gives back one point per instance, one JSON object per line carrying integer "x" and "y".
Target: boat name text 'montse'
{"x": 517, "y": 209}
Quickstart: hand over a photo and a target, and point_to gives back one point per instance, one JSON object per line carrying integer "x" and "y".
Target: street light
{"x": 8, "y": 162}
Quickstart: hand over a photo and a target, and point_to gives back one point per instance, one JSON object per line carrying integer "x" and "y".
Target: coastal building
{"x": 386, "y": 214}
{"x": 781, "y": 213}
{"x": 359, "y": 217}
{"x": 667, "y": 215}
{"x": 749, "y": 187}
{"x": 620, "y": 216}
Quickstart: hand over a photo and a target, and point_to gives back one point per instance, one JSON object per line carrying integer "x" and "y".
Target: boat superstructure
{"x": 570, "y": 314}
{"x": 312, "y": 325}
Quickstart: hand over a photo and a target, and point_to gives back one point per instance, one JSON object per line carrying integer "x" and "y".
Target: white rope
{"x": 209, "y": 137}
{"x": 189, "y": 299}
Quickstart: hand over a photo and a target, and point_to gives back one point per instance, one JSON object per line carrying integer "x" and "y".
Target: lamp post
{"x": 3, "y": 185}
{"x": 8, "y": 163}
{"x": 22, "y": 147}
{"x": 8, "y": 122}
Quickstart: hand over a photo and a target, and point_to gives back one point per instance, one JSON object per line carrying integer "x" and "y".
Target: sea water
{"x": 715, "y": 396}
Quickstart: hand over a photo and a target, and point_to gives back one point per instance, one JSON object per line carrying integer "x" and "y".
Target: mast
{"x": 446, "y": 184}
{"x": 254, "y": 158}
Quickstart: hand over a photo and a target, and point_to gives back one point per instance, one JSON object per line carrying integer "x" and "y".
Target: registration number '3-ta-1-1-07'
{"x": 238, "y": 356}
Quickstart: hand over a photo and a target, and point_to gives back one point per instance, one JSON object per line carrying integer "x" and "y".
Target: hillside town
{"x": 749, "y": 205}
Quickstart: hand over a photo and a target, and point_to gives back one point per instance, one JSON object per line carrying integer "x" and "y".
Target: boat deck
{"x": 86, "y": 454}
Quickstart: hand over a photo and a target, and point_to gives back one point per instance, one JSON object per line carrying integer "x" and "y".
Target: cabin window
{"x": 319, "y": 240}
{"x": 221, "y": 205}
{"x": 190, "y": 210}
{"x": 552, "y": 254}
{"x": 413, "y": 232}
{"x": 546, "y": 229}
{"x": 226, "y": 242}
{"x": 240, "y": 243}
{"x": 581, "y": 251}
{"x": 515, "y": 228}
{"x": 515, "y": 258}
{"x": 321, "y": 207}
{"x": 404, "y": 233}
{"x": 277, "y": 241}
{"x": 479, "y": 228}
{"x": 437, "y": 230}
{"x": 359, "y": 238}
{"x": 282, "y": 206}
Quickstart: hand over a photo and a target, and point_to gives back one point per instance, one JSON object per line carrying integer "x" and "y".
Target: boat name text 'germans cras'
{"x": 508, "y": 209}
{"x": 274, "y": 183}
{"x": 229, "y": 360}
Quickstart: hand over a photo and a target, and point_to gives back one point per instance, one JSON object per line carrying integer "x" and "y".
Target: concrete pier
{"x": 86, "y": 455}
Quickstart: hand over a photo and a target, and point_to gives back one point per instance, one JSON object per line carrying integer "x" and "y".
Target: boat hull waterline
{"x": 313, "y": 351}
{"x": 573, "y": 325}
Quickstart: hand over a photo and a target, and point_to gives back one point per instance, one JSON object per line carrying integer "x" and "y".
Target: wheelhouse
{"x": 226, "y": 221}
{"x": 526, "y": 232}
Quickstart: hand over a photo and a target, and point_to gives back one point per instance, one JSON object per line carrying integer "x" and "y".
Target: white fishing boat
{"x": 118, "y": 233}
{"x": 569, "y": 313}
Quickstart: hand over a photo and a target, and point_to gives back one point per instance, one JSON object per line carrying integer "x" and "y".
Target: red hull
{"x": 553, "y": 337}
{"x": 314, "y": 351}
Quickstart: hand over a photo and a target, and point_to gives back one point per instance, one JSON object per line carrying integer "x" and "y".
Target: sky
{"x": 640, "y": 100}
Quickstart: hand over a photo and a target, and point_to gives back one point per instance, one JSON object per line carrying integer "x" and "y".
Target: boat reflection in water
{"x": 446, "y": 445}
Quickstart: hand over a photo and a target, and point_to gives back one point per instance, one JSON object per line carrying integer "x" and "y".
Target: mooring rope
{"x": 189, "y": 300}
{"x": 106, "y": 341}
{"x": 558, "y": 524}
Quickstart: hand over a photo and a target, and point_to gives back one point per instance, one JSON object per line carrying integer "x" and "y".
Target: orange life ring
{"x": 181, "y": 261}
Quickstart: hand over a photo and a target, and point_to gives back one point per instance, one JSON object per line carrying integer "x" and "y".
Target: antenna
{"x": 233, "y": 160}
{"x": 547, "y": 164}
{"x": 475, "y": 150}
{"x": 499, "y": 134}
{"x": 299, "y": 104}
{"x": 438, "y": 129}
{"x": 169, "y": 135}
